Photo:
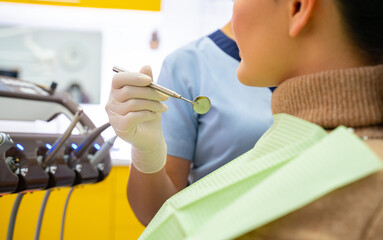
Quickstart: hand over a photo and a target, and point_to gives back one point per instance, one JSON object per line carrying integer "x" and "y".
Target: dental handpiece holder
{"x": 8, "y": 176}
{"x": 81, "y": 156}
{"x": 22, "y": 165}
{"x": 20, "y": 159}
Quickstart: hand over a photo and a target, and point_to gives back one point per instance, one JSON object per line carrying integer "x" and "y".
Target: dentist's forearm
{"x": 147, "y": 193}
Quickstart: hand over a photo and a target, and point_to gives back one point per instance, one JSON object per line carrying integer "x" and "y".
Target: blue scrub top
{"x": 239, "y": 114}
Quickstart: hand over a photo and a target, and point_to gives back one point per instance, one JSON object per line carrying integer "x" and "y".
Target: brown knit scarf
{"x": 350, "y": 97}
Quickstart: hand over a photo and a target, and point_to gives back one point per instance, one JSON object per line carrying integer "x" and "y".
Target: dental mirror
{"x": 201, "y": 104}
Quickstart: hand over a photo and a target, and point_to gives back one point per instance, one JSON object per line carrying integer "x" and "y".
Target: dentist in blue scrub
{"x": 199, "y": 144}
{"x": 196, "y": 144}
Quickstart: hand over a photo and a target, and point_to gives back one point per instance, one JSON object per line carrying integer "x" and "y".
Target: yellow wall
{"x": 148, "y": 5}
{"x": 95, "y": 211}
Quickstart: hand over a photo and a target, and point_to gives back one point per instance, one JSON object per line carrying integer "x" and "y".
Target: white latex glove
{"x": 134, "y": 112}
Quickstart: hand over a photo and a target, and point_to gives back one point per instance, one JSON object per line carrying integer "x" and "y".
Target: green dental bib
{"x": 294, "y": 163}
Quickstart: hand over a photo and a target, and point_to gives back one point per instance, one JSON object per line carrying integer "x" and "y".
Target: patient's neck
{"x": 352, "y": 97}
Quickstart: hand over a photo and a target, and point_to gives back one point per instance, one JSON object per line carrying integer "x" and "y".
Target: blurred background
{"x": 76, "y": 47}
{"x": 75, "y": 43}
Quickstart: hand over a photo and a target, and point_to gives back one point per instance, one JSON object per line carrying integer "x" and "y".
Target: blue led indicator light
{"x": 19, "y": 146}
{"x": 74, "y": 146}
{"x": 48, "y": 146}
{"x": 96, "y": 146}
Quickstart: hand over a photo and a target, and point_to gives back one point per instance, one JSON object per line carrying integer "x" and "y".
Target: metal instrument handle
{"x": 164, "y": 90}
{"x": 155, "y": 86}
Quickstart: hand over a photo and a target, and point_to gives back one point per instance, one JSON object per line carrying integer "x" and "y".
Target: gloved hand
{"x": 134, "y": 112}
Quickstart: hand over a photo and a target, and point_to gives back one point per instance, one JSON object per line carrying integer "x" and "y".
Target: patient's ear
{"x": 300, "y": 13}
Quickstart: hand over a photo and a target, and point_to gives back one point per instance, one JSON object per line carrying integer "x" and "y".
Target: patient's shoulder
{"x": 351, "y": 211}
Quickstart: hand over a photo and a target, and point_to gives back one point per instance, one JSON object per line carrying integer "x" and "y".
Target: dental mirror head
{"x": 201, "y": 104}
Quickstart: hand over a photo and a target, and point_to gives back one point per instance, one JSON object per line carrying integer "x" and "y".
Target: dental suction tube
{"x": 89, "y": 140}
{"x": 103, "y": 152}
{"x": 5, "y": 139}
{"x": 48, "y": 161}
{"x": 2, "y": 138}
{"x": 12, "y": 219}
{"x": 59, "y": 142}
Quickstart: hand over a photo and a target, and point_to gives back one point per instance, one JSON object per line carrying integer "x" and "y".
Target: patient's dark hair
{"x": 363, "y": 20}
